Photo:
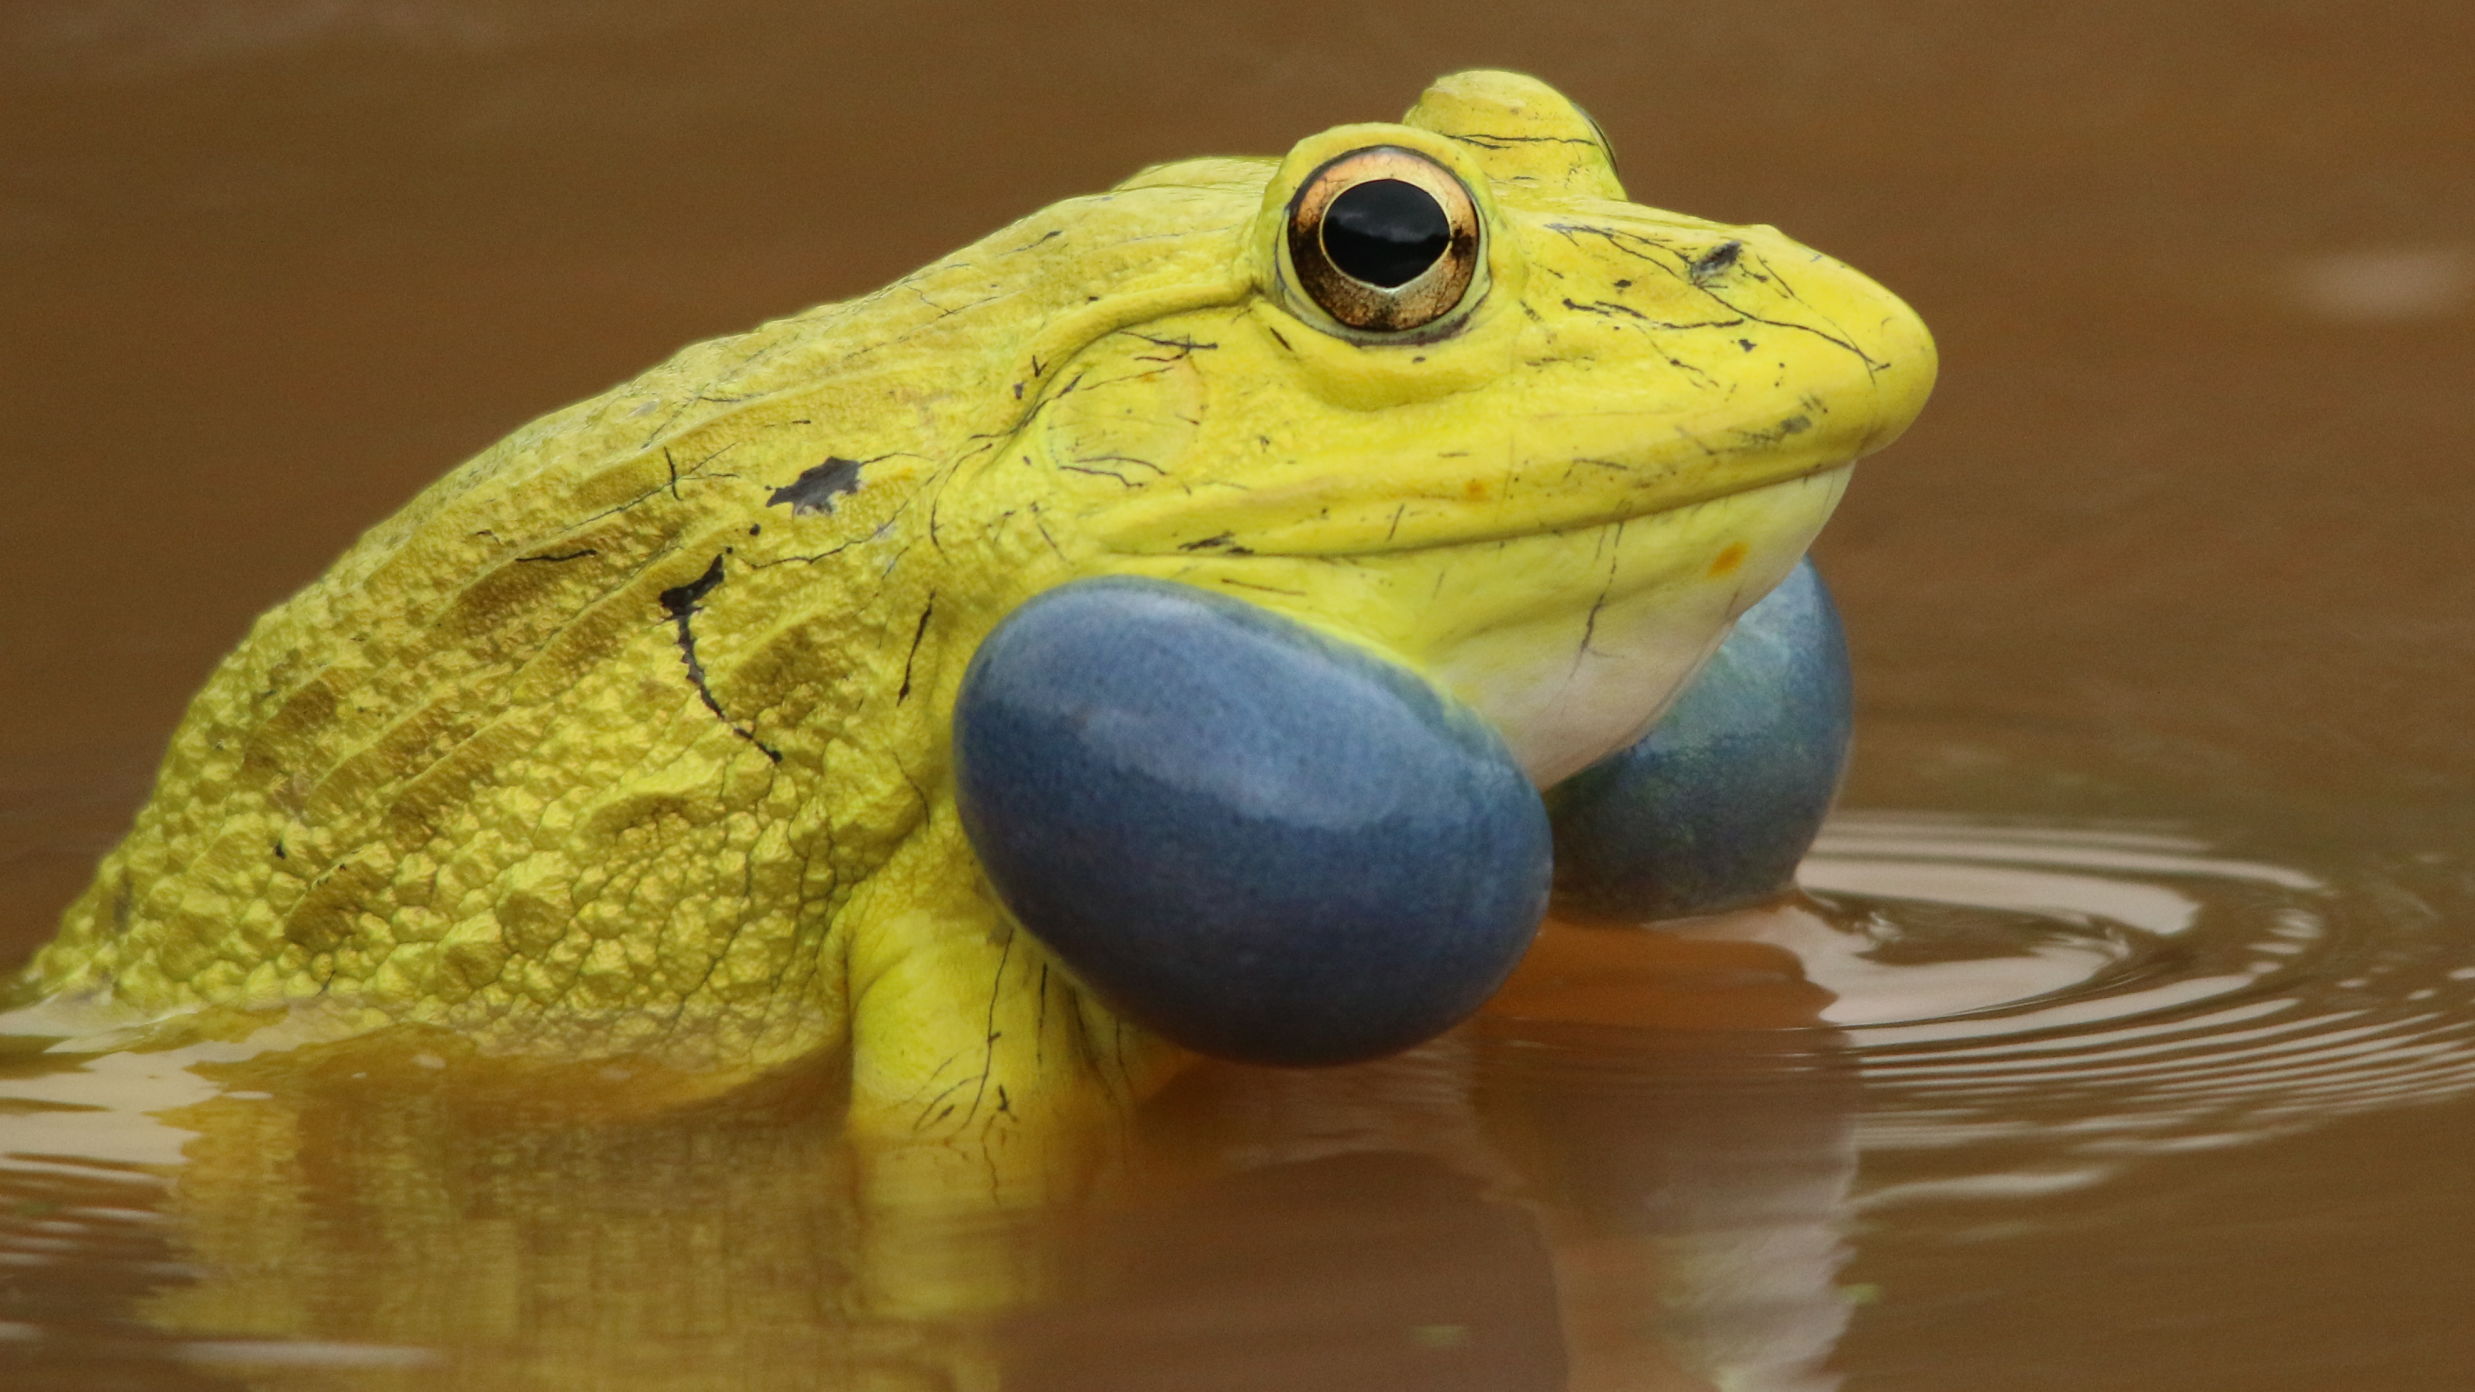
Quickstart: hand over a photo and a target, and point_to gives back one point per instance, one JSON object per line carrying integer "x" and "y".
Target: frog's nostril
{"x": 1714, "y": 263}
{"x": 1259, "y": 842}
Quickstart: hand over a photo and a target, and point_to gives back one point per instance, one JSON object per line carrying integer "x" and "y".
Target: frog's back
{"x": 603, "y": 726}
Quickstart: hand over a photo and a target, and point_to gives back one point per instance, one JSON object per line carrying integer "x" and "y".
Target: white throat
{"x": 1567, "y": 689}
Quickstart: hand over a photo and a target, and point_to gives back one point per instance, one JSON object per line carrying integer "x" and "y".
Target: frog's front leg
{"x": 975, "y": 1059}
{"x": 1243, "y": 836}
{"x": 981, "y": 1078}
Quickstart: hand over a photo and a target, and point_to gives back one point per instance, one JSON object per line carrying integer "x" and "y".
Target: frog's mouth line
{"x": 1567, "y": 639}
{"x": 1326, "y": 536}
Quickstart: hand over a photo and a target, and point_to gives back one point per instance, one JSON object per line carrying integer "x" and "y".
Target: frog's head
{"x": 1441, "y": 390}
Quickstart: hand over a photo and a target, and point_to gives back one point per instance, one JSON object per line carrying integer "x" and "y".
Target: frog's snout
{"x": 1905, "y": 364}
{"x": 1853, "y": 328}
{"x": 1254, "y": 840}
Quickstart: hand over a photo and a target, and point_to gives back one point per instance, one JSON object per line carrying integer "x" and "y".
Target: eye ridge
{"x": 1385, "y": 240}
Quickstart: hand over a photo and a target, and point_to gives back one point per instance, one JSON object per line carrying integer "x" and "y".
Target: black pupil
{"x": 1385, "y": 232}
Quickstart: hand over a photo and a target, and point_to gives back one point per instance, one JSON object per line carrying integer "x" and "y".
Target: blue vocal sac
{"x": 1714, "y": 807}
{"x": 1263, "y": 843}
{"x": 1271, "y": 846}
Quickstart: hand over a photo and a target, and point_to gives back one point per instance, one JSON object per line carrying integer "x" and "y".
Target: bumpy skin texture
{"x": 630, "y": 735}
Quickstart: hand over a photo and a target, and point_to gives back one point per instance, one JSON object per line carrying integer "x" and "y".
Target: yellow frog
{"x": 631, "y": 736}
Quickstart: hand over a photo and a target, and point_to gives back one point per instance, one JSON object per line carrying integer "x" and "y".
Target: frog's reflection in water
{"x": 1554, "y": 1197}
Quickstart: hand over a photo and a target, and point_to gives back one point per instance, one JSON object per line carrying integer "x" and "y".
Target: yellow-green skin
{"x": 605, "y": 744}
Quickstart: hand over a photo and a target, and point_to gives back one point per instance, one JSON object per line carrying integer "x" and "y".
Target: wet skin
{"x": 631, "y": 737}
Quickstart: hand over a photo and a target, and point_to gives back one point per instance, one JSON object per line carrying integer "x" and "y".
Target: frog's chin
{"x": 1591, "y": 668}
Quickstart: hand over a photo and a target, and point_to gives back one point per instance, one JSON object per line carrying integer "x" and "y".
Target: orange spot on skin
{"x": 1726, "y": 561}
{"x": 1475, "y": 490}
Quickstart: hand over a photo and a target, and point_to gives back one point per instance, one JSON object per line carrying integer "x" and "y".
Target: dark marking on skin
{"x": 553, "y": 557}
{"x": 1716, "y": 262}
{"x": 681, "y": 601}
{"x": 1005, "y": 1104}
{"x": 944, "y": 312}
{"x": 1632, "y": 244}
{"x": 812, "y": 557}
{"x": 908, "y": 658}
{"x": 1629, "y": 243}
{"x": 815, "y": 489}
{"x": 1395, "y": 529}
{"x": 1039, "y": 1027}
{"x": 681, "y": 605}
{"x": 1120, "y": 459}
{"x": 988, "y": 1060}
{"x": 1589, "y": 627}
{"x": 1276, "y": 338}
{"x": 1605, "y": 307}
{"x": 1485, "y": 141}
{"x": 670, "y": 485}
{"x": 1746, "y": 344}
{"x": 1793, "y": 425}
{"x": 920, "y": 1122}
{"x": 1103, "y": 473}
{"x": 1181, "y": 345}
{"x": 1610, "y": 308}
{"x": 1049, "y": 236}
{"x": 1760, "y": 270}
{"x": 1267, "y": 589}
{"x": 281, "y": 853}
{"x": 1030, "y": 414}
{"x": 756, "y": 528}
{"x": 1225, "y": 543}
{"x": 1038, "y": 522}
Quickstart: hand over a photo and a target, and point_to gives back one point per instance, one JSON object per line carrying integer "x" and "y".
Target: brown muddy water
{"x": 2129, "y": 1042}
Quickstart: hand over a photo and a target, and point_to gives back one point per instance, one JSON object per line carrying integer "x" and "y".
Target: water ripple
{"x": 2126, "y": 990}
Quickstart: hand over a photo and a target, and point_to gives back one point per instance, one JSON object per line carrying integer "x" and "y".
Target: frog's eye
{"x": 1384, "y": 239}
